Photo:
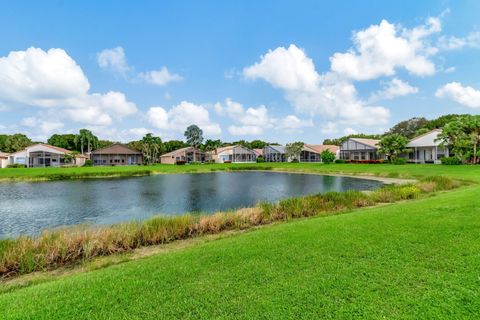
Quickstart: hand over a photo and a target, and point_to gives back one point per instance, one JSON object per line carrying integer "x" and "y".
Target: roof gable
{"x": 426, "y": 140}
{"x": 116, "y": 148}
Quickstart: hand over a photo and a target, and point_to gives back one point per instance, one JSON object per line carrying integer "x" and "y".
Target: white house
{"x": 43, "y": 155}
{"x": 426, "y": 148}
{"x": 234, "y": 154}
{"x": 3, "y": 159}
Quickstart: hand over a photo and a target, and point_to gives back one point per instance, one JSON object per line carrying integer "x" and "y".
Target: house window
{"x": 363, "y": 155}
{"x": 356, "y": 156}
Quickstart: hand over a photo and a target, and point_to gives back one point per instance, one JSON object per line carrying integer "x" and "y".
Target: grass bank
{"x": 383, "y": 170}
{"x": 410, "y": 260}
{"x": 54, "y": 249}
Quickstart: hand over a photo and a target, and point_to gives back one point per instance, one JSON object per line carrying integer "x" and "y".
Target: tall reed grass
{"x": 69, "y": 246}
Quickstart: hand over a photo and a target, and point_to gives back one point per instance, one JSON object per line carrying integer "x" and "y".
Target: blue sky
{"x": 275, "y": 70}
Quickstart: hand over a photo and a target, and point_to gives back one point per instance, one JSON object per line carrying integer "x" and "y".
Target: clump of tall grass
{"x": 64, "y": 247}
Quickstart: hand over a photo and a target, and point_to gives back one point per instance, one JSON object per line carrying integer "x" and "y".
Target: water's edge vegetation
{"x": 74, "y": 245}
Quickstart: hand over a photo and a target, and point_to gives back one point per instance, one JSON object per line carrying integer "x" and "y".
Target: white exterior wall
{"x": 426, "y": 148}
{"x": 3, "y": 162}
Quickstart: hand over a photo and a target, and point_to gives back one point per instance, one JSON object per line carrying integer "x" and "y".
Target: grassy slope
{"x": 418, "y": 259}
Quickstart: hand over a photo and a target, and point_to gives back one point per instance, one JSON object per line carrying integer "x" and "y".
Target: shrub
{"x": 399, "y": 161}
{"x": 327, "y": 156}
{"x": 180, "y": 162}
{"x": 88, "y": 163}
{"x": 451, "y": 161}
{"x": 16, "y": 165}
{"x": 260, "y": 159}
{"x": 294, "y": 161}
{"x": 340, "y": 161}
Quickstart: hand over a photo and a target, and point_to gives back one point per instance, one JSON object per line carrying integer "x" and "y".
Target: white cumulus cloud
{"x": 160, "y": 77}
{"x": 179, "y": 117}
{"x": 380, "y": 49}
{"x": 392, "y": 89}
{"x": 472, "y": 40}
{"x": 328, "y": 95}
{"x": 253, "y": 121}
{"x": 53, "y": 80}
{"x": 457, "y": 92}
{"x": 288, "y": 69}
{"x": 113, "y": 59}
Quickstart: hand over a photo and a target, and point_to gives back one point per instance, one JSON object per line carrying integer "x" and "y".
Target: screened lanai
{"x": 274, "y": 154}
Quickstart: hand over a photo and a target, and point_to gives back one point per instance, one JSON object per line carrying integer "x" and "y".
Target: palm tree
{"x": 86, "y": 137}
{"x": 212, "y": 145}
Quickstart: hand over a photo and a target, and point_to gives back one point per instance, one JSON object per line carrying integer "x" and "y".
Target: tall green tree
{"x": 151, "y": 147}
{"x": 293, "y": 150}
{"x": 15, "y": 142}
{"x": 393, "y": 145}
{"x": 66, "y": 141}
{"x": 86, "y": 138}
{"x": 194, "y": 137}
{"x": 173, "y": 145}
{"x": 409, "y": 128}
{"x": 463, "y": 135}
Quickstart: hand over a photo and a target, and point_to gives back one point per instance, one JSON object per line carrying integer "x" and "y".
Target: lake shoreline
{"x": 70, "y": 247}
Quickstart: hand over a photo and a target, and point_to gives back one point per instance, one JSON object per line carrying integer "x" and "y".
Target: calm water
{"x": 27, "y": 208}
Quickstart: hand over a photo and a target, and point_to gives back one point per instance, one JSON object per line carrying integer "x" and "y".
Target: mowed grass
{"x": 418, "y": 259}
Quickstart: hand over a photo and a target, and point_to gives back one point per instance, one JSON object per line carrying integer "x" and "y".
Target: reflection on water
{"x": 28, "y": 207}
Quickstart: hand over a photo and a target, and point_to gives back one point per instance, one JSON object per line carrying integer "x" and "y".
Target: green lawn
{"x": 416, "y": 259}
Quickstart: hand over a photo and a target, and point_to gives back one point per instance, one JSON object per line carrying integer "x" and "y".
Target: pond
{"x": 26, "y": 208}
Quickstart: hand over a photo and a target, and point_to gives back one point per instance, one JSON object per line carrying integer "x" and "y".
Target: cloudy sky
{"x": 273, "y": 70}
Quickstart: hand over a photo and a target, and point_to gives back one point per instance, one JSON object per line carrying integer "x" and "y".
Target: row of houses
{"x": 241, "y": 154}
{"x": 422, "y": 149}
{"x": 425, "y": 148}
{"x": 45, "y": 155}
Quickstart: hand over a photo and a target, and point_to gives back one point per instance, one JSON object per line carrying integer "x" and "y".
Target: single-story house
{"x": 314, "y": 151}
{"x": 183, "y": 155}
{"x": 360, "y": 149}
{"x": 3, "y": 159}
{"x": 258, "y": 152}
{"x": 310, "y": 153}
{"x": 274, "y": 154}
{"x": 116, "y": 155}
{"x": 426, "y": 148}
{"x": 44, "y": 155}
{"x": 234, "y": 154}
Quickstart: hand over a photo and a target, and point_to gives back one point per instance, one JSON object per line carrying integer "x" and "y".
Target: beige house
{"x": 3, "y": 160}
{"x": 44, "y": 155}
{"x": 312, "y": 152}
{"x": 234, "y": 154}
{"x": 116, "y": 155}
{"x": 183, "y": 155}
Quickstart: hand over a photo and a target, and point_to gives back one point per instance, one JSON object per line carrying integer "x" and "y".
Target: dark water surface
{"x": 28, "y": 207}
